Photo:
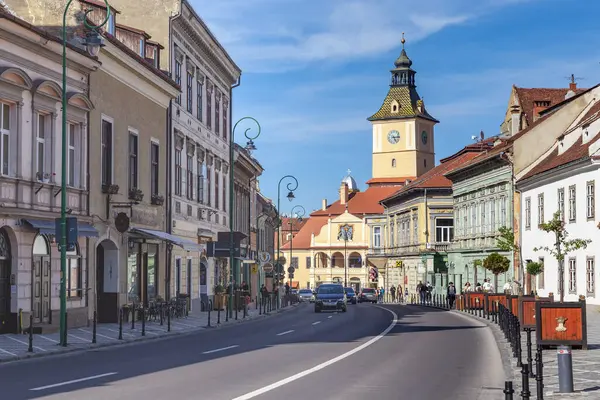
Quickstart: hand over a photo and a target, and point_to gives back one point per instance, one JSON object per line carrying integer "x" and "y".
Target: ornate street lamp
{"x": 93, "y": 43}
{"x": 249, "y": 146}
{"x": 291, "y": 187}
{"x": 299, "y": 214}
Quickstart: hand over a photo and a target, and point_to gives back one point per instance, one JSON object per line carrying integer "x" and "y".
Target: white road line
{"x": 89, "y": 378}
{"x": 97, "y": 334}
{"x": 331, "y": 316}
{"x": 221, "y": 349}
{"x": 48, "y": 339}
{"x": 8, "y": 352}
{"x": 285, "y": 333}
{"x": 25, "y": 343}
{"x": 316, "y": 323}
{"x": 77, "y": 337}
{"x": 319, "y": 367}
{"x": 182, "y": 324}
{"x": 116, "y": 331}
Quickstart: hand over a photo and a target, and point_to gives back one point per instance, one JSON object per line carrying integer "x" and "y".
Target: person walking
{"x": 393, "y": 293}
{"x": 451, "y": 295}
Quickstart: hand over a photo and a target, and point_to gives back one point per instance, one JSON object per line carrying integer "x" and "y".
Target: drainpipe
{"x": 426, "y": 233}
{"x": 87, "y": 185}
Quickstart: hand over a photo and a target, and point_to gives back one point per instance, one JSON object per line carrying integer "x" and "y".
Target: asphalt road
{"x": 388, "y": 352}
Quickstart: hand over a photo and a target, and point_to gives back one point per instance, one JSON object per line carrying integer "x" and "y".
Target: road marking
{"x": 221, "y": 349}
{"x": 8, "y": 352}
{"x": 77, "y": 337}
{"x": 319, "y": 367}
{"x": 97, "y": 334}
{"x": 316, "y": 323}
{"x": 89, "y": 378}
{"x": 331, "y": 316}
{"x": 48, "y": 339}
{"x": 25, "y": 343}
{"x": 285, "y": 333}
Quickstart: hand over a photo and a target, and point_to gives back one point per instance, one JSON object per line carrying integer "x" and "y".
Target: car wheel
{"x": 344, "y": 309}
{"x": 317, "y": 310}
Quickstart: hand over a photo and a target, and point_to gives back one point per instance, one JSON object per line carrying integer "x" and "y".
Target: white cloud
{"x": 281, "y": 35}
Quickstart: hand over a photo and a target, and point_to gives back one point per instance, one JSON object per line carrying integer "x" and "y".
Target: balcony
{"x": 43, "y": 196}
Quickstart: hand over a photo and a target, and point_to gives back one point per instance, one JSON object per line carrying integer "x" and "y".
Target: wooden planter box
{"x": 513, "y": 304}
{"x": 460, "y": 302}
{"x": 475, "y": 300}
{"x": 220, "y": 302}
{"x": 490, "y": 298}
{"x": 561, "y": 324}
{"x": 527, "y": 310}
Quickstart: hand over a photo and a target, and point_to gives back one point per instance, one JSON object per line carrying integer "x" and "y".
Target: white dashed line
{"x": 331, "y": 316}
{"x": 221, "y": 349}
{"x": 316, "y": 323}
{"x": 25, "y": 343}
{"x": 8, "y": 352}
{"x": 48, "y": 339}
{"x": 285, "y": 333}
{"x": 89, "y": 378}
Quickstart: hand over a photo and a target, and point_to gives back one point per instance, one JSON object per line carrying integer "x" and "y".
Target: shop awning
{"x": 185, "y": 244}
{"x": 46, "y": 227}
{"x": 378, "y": 261}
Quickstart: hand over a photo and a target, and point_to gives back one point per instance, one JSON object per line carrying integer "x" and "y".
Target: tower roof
{"x": 351, "y": 182}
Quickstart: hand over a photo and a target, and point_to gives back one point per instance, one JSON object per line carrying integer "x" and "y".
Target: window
{"x": 178, "y": 177}
{"x": 482, "y": 211}
{"x": 178, "y": 79}
{"x": 473, "y": 218}
{"x": 224, "y": 193}
{"x": 590, "y": 200}
{"x": 590, "y": 276}
{"x": 540, "y": 208}
{"x": 528, "y": 213}
{"x": 75, "y": 281}
{"x": 40, "y": 149}
{"x": 561, "y": 203}
{"x": 189, "y": 91}
{"x": 225, "y": 131}
{"x": 209, "y": 108}
{"x": 572, "y": 275}
{"x": 540, "y": 277}
{"x": 200, "y": 184}
{"x": 295, "y": 262}
{"x": 71, "y": 156}
{"x": 107, "y": 152}
{"x": 308, "y": 260}
{"x": 208, "y": 184}
{"x": 142, "y": 48}
{"x": 5, "y": 131}
{"x": 377, "y": 237}
{"x": 392, "y": 242}
{"x": 465, "y": 212}
{"x": 572, "y": 204}
{"x": 199, "y": 92}
{"x": 133, "y": 161}
{"x": 111, "y": 22}
{"x": 190, "y": 177}
{"x": 393, "y": 163}
{"x": 444, "y": 230}
{"x": 217, "y": 112}
{"x": 503, "y": 221}
{"x": 217, "y": 192}
{"x": 154, "y": 157}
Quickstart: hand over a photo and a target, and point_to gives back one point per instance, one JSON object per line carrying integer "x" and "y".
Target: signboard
{"x": 291, "y": 270}
{"x": 267, "y": 268}
{"x": 398, "y": 264}
{"x": 254, "y": 269}
{"x": 282, "y": 260}
{"x": 264, "y": 257}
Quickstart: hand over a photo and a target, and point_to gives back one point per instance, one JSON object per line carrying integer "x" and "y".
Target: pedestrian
{"x": 451, "y": 295}
{"x": 421, "y": 291}
{"x": 487, "y": 286}
{"x": 400, "y": 296}
{"x": 393, "y": 293}
{"x": 507, "y": 288}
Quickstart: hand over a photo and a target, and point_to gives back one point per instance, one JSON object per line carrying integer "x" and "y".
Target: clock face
{"x": 393, "y": 137}
{"x": 424, "y": 137}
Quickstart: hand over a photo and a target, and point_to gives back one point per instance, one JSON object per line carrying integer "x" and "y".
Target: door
{"x": 177, "y": 277}
{"x": 4, "y": 295}
{"x": 41, "y": 289}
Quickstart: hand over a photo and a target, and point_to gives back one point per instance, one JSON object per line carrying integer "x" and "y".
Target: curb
{"x": 137, "y": 340}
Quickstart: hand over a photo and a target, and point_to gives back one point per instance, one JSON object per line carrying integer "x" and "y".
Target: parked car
{"x": 350, "y": 295}
{"x": 367, "y": 295}
{"x": 305, "y": 295}
{"x": 330, "y": 297}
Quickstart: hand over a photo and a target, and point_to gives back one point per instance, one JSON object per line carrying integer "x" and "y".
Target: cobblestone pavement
{"x": 586, "y": 363}
{"x": 15, "y": 347}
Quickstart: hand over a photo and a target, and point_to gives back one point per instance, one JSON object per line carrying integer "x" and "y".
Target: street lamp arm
{"x": 300, "y": 213}
{"x": 248, "y": 136}
{"x": 291, "y": 186}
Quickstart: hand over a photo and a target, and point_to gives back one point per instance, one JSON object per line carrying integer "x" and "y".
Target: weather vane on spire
{"x": 403, "y": 40}
{"x": 348, "y": 171}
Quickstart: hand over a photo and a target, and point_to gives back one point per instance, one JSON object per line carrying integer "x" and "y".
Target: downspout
{"x": 520, "y": 279}
{"x": 426, "y": 234}
{"x": 87, "y": 185}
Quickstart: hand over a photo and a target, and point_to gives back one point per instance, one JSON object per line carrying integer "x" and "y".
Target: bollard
{"x": 209, "y": 307}
{"x": 245, "y": 309}
{"x": 529, "y": 352}
{"x": 508, "y": 390}
{"x": 259, "y": 305}
{"x": 518, "y": 339}
{"x": 169, "y": 319}
{"x": 162, "y": 314}
{"x": 219, "y": 316}
{"x": 565, "y": 369}
{"x": 237, "y": 305}
{"x": 133, "y": 316}
{"x": 94, "y": 327}
{"x": 539, "y": 373}
{"x": 30, "y": 348}
{"x": 121, "y": 323}
{"x": 525, "y": 393}
{"x": 143, "y": 311}
{"x": 227, "y": 311}
{"x": 20, "y": 321}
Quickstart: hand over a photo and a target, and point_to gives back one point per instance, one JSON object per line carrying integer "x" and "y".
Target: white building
{"x": 199, "y": 153}
{"x": 564, "y": 180}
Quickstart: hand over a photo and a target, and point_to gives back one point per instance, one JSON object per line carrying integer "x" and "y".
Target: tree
{"x": 561, "y": 248}
{"x": 496, "y": 264}
{"x": 506, "y": 242}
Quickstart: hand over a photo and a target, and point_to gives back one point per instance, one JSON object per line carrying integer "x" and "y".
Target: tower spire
{"x": 403, "y": 41}
{"x": 402, "y": 74}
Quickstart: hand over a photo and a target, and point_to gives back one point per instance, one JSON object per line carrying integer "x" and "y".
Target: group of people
{"x": 487, "y": 287}
{"x": 396, "y": 293}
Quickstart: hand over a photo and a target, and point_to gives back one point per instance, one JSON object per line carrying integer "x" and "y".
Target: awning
{"x": 46, "y": 227}
{"x": 185, "y": 244}
{"x": 378, "y": 261}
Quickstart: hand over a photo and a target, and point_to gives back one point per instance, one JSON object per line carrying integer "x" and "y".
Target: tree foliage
{"x": 562, "y": 245}
{"x": 535, "y": 268}
{"x": 496, "y": 263}
{"x": 506, "y": 240}
{"x": 477, "y": 263}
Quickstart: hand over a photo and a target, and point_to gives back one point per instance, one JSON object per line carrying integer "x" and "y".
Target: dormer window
{"x": 541, "y": 103}
{"x": 142, "y": 48}
{"x": 111, "y": 23}
{"x": 395, "y": 107}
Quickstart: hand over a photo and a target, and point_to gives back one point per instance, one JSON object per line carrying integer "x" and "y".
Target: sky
{"x": 315, "y": 70}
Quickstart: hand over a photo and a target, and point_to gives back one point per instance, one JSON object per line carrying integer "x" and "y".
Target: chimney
{"x": 344, "y": 193}
{"x": 515, "y": 120}
{"x": 573, "y": 86}
{"x": 324, "y": 204}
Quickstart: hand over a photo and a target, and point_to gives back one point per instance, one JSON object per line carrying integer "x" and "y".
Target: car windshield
{"x": 368, "y": 290}
{"x": 349, "y": 290}
{"x": 306, "y": 291}
{"x": 332, "y": 289}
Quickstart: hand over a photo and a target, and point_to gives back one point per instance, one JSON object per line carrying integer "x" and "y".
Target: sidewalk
{"x": 14, "y": 346}
{"x": 586, "y": 363}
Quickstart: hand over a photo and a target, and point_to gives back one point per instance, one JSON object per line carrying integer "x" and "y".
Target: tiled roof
{"x": 434, "y": 178}
{"x": 528, "y": 97}
{"x": 487, "y": 154}
{"x": 295, "y": 228}
{"x": 366, "y": 202}
{"x": 134, "y": 30}
{"x": 578, "y": 151}
{"x": 303, "y": 238}
{"x": 407, "y": 99}
{"x": 383, "y": 181}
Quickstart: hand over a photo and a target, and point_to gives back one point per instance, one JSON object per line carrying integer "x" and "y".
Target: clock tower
{"x": 402, "y": 129}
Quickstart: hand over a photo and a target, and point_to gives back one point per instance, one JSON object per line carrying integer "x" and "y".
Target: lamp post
{"x": 299, "y": 214}
{"x": 291, "y": 186}
{"x": 258, "y": 217}
{"x": 93, "y": 43}
{"x": 249, "y": 146}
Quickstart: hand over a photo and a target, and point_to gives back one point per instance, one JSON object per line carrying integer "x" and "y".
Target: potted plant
{"x": 157, "y": 200}
{"x": 110, "y": 189}
{"x": 219, "y": 297}
{"x": 136, "y": 194}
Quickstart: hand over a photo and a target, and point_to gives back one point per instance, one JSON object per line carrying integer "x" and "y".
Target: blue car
{"x": 330, "y": 297}
{"x": 350, "y": 295}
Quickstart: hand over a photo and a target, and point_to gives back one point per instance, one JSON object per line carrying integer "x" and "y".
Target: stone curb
{"x": 137, "y": 340}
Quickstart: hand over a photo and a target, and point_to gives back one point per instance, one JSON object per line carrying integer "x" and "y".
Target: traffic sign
{"x": 282, "y": 260}
{"x": 399, "y": 264}
{"x": 267, "y": 268}
{"x": 264, "y": 257}
{"x": 254, "y": 269}
{"x": 291, "y": 270}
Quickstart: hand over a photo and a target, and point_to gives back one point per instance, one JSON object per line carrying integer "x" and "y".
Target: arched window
{"x": 40, "y": 246}
{"x": 393, "y": 163}
{"x": 75, "y": 281}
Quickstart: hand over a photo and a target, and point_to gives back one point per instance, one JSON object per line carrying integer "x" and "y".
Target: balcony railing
{"x": 409, "y": 249}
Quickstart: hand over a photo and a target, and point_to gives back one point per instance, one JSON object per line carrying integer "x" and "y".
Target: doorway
{"x": 40, "y": 301}
{"x": 107, "y": 282}
{"x": 5, "y": 283}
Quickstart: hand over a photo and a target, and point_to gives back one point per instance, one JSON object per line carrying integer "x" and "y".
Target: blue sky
{"x": 314, "y": 70}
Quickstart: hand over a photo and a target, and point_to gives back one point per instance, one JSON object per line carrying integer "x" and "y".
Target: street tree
{"x": 534, "y": 268}
{"x": 561, "y": 248}
{"x": 506, "y": 242}
{"x": 496, "y": 264}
